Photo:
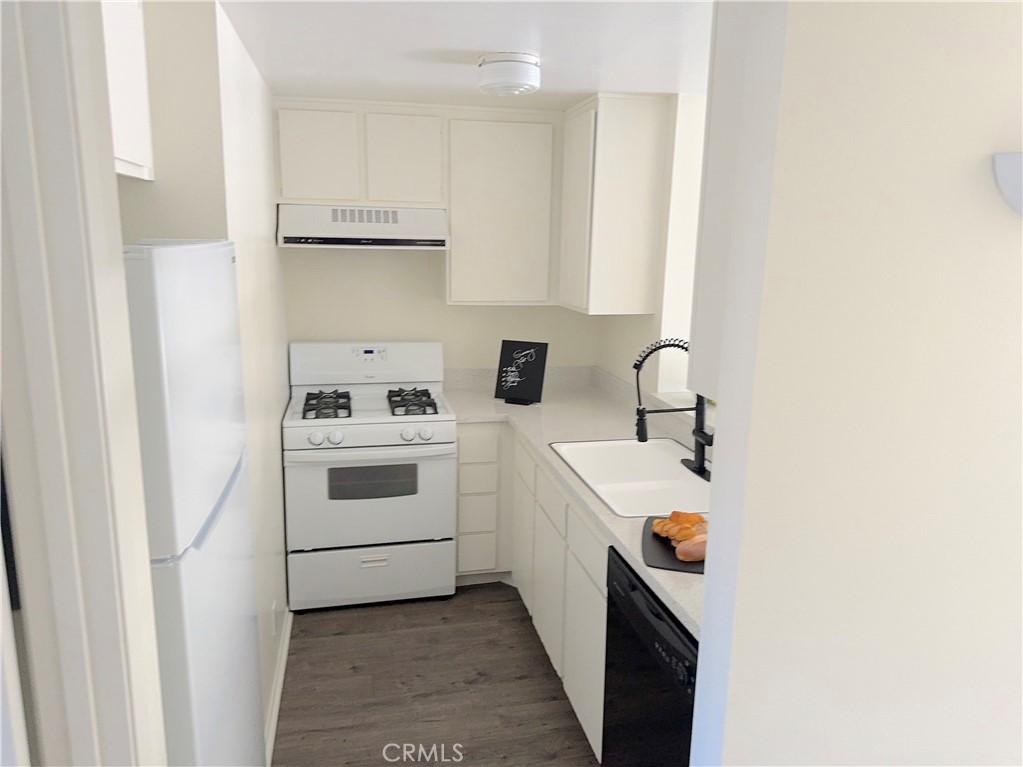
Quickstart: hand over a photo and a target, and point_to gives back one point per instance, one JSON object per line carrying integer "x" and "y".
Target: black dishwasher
{"x": 649, "y": 676}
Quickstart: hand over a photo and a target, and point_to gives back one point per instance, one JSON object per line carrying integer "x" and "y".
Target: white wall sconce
{"x": 1008, "y": 167}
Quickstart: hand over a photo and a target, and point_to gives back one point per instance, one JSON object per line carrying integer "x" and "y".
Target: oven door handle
{"x": 352, "y": 455}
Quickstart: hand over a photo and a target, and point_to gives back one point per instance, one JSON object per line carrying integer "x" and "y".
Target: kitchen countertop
{"x": 594, "y": 409}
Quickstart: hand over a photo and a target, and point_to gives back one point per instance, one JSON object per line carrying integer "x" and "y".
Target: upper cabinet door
{"x": 576, "y": 201}
{"x": 128, "y": 85}
{"x": 617, "y": 159}
{"x": 405, "y": 158}
{"x": 500, "y": 211}
{"x": 319, "y": 155}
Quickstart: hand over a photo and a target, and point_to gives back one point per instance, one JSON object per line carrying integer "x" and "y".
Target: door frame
{"x": 70, "y": 429}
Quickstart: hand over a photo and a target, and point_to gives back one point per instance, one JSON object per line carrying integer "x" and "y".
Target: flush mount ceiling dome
{"x": 508, "y": 74}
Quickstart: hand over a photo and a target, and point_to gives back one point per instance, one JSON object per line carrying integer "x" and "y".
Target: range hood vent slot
{"x": 364, "y": 216}
{"x": 330, "y": 226}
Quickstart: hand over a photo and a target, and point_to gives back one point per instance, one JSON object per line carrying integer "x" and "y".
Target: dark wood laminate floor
{"x": 469, "y": 670}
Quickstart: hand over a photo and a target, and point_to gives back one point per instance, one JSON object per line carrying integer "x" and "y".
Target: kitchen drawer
{"x": 477, "y": 478}
{"x": 525, "y": 467}
{"x": 551, "y": 500}
{"x": 589, "y": 547}
{"x": 477, "y": 551}
{"x": 478, "y": 443}
{"x": 477, "y": 514}
{"x": 370, "y": 574}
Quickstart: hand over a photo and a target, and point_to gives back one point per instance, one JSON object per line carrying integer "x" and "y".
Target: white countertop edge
{"x": 535, "y": 426}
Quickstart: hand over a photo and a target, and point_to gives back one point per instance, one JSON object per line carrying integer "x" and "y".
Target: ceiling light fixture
{"x": 508, "y": 74}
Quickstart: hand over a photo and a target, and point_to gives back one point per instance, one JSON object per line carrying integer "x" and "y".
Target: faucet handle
{"x": 641, "y": 433}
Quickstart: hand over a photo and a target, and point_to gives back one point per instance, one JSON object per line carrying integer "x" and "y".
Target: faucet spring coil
{"x": 664, "y": 343}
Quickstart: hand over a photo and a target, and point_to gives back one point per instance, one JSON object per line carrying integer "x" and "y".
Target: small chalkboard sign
{"x": 520, "y": 372}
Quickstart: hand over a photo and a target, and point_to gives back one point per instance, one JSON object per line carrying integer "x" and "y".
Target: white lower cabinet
{"x": 477, "y": 552}
{"x": 479, "y": 498}
{"x": 559, "y": 566}
{"x": 523, "y": 514}
{"x": 549, "y": 586}
{"x": 583, "y": 664}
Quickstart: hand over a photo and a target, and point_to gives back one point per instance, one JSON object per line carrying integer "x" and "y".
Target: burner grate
{"x": 411, "y": 402}
{"x": 327, "y": 404}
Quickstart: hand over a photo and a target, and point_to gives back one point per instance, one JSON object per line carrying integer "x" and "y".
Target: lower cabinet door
{"x": 585, "y": 635}
{"x": 549, "y": 586}
{"x": 477, "y": 552}
{"x": 522, "y": 542}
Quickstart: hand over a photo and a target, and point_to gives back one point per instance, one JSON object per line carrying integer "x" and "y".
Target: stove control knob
{"x": 316, "y": 438}
{"x": 336, "y": 437}
{"x": 426, "y": 433}
{"x": 408, "y": 434}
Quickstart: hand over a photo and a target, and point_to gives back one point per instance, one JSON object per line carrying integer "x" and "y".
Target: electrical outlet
{"x": 273, "y": 616}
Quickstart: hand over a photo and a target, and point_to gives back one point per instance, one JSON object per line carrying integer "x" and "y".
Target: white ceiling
{"x": 427, "y": 51}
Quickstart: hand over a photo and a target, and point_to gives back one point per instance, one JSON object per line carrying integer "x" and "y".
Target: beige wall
{"x": 370, "y": 295}
{"x": 247, "y": 134}
{"x": 877, "y": 591}
{"x": 187, "y": 199}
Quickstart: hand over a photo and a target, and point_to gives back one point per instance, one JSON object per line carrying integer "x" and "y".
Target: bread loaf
{"x": 693, "y": 549}
{"x": 687, "y": 532}
{"x": 687, "y": 517}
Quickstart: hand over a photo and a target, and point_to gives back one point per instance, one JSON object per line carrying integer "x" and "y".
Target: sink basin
{"x": 637, "y": 479}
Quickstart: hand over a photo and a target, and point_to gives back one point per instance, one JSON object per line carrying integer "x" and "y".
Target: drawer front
{"x": 589, "y": 547}
{"x": 477, "y": 478}
{"x": 477, "y": 514}
{"x": 478, "y": 444}
{"x": 525, "y": 467}
{"x": 477, "y": 552}
{"x": 370, "y": 574}
{"x": 551, "y": 500}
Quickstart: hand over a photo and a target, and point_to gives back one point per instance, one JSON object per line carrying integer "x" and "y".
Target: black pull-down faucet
{"x": 703, "y": 440}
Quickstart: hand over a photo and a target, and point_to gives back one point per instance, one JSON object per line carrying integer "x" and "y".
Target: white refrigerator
{"x": 184, "y": 325}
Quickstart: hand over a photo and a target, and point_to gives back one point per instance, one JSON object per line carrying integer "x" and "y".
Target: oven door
{"x": 362, "y": 496}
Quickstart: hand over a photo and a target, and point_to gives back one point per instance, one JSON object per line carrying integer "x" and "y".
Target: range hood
{"x": 350, "y": 226}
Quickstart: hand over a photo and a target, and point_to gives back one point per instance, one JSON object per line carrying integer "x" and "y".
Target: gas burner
{"x": 327, "y": 404}
{"x": 411, "y": 402}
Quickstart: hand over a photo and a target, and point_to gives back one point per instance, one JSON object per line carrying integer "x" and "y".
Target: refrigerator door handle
{"x": 211, "y": 520}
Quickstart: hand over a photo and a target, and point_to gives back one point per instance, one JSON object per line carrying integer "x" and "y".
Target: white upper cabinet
{"x": 500, "y": 213}
{"x": 617, "y": 158}
{"x": 359, "y": 156}
{"x": 319, "y": 155}
{"x": 576, "y": 200}
{"x": 128, "y": 85}
{"x": 404, "y": 158}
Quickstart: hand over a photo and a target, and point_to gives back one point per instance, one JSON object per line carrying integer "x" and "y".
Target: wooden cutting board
{"x": 658, "y": 552}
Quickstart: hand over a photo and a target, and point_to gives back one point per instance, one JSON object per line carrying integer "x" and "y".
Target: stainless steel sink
{"x": 637, "y": 479}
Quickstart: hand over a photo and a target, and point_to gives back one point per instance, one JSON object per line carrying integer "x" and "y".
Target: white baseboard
{"x": 474, "y": 578}
{"x": 270, "y": 732}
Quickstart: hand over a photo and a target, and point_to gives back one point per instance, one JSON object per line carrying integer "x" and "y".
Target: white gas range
{"x": 370, "y": 462}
